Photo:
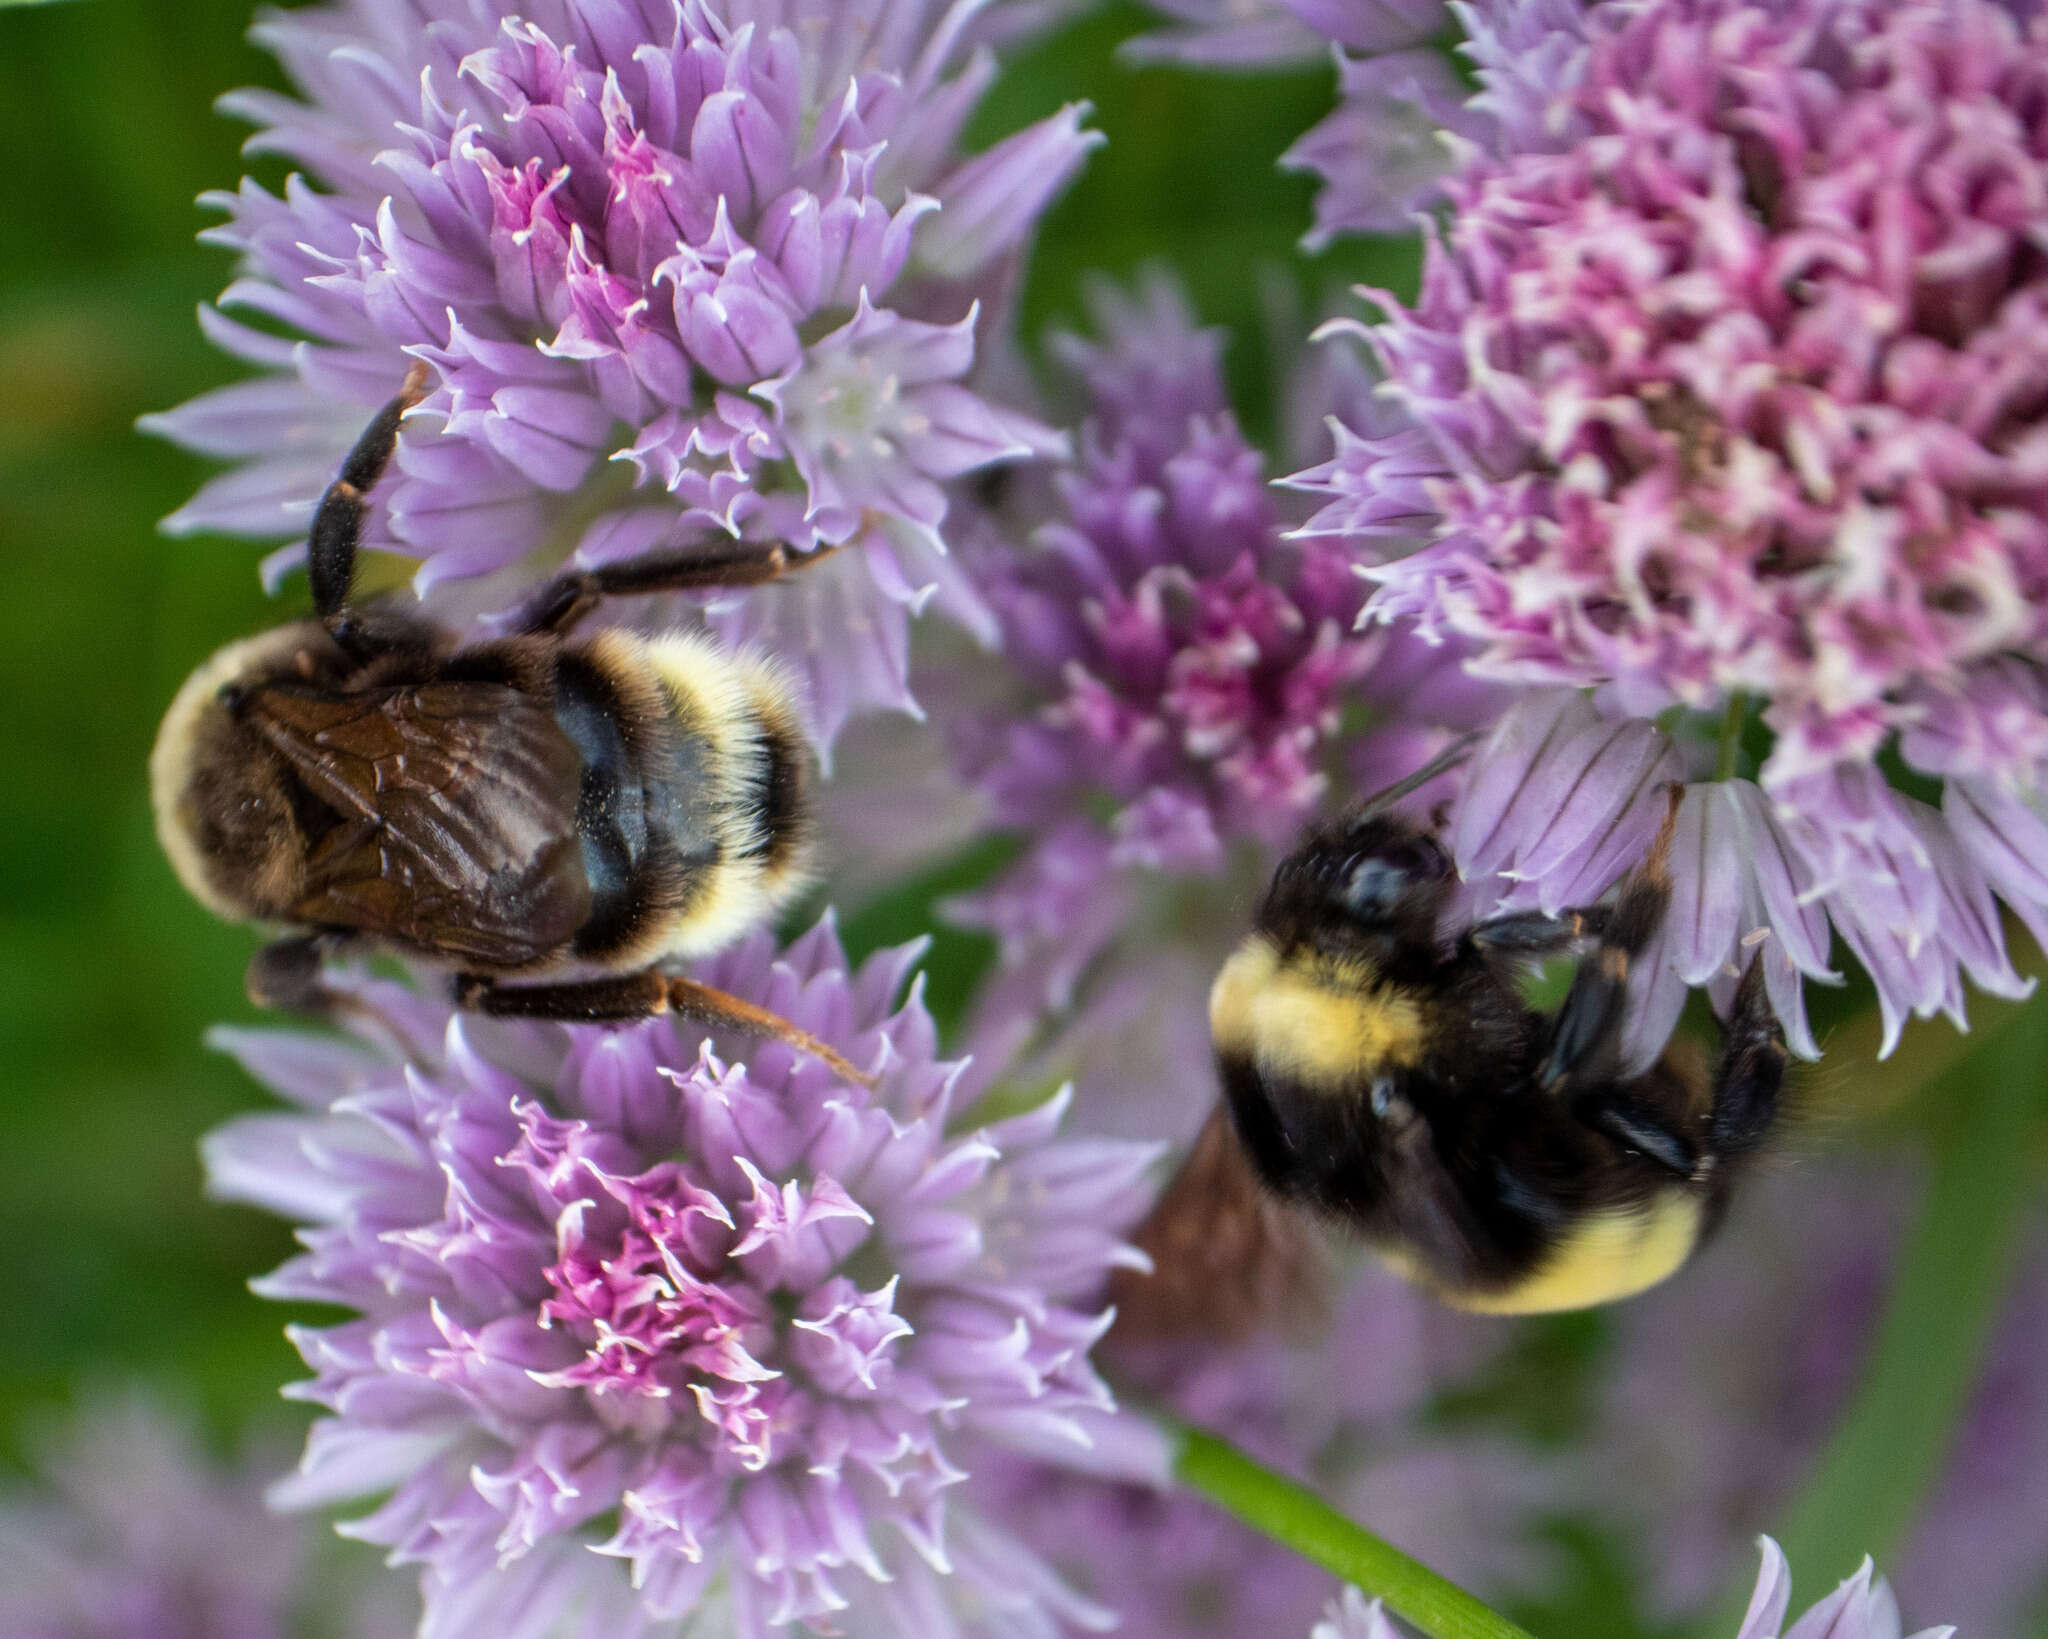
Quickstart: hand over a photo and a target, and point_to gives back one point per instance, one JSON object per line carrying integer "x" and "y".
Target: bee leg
{"x": 640, "y": 996}
{"x": 1752, "y": 1068}
{"x": 1537, "y": 933}
{"x": 1442, "y": 763}
{"x": 569, "y": 597}
{"x": 1584, "y": 1039}
{"x": 1636, "y": 1124}
{"x": 338, "y": 520}
{"x": 287, "y": 974}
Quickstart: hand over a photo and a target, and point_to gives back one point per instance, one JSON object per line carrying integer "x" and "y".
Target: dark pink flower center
{"x": 656, "y": 1329}
{"x": 1227, "y": 672}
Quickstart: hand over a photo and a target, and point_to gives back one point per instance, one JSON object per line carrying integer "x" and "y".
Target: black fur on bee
{"x": 1393, "y": 1080}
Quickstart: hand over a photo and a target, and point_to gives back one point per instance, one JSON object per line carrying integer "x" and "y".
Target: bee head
{"x": 1359, "y": 882}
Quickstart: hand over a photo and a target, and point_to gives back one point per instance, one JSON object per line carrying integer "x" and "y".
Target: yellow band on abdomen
{"x": 1611, "y": 1255}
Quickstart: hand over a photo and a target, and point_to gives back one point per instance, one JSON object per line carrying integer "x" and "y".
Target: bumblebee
{"x": 549, "y": 819}
{"x": 1395, "y": 1082}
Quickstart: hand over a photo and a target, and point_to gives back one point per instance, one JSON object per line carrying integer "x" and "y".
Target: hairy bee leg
{"x": 338, "y": 520}
{"x": 1588, "y": 1026}
{"x": 639, "y": 996}
{"x": 719, "y": 1008}
{"x": 569, "y": 597}
{"x": 1752, "y": 1068}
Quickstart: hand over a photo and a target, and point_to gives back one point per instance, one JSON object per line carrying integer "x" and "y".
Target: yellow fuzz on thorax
{"x": 1611, "y": 1255}
{"x": 1321, "y": 1022}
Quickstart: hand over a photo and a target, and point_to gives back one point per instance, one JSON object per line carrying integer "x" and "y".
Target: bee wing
{"x": 1229, "y": 1258}
{"x": 458, "y": 816}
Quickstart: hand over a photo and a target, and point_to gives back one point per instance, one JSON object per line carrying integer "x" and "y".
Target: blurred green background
{"x": 109, "y": 975}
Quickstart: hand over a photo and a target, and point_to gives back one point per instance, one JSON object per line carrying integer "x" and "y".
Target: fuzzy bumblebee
{"x": 1389, "y": 1076}
{"x": 550, "y": 819}
{"x": 1398, "y": 1083}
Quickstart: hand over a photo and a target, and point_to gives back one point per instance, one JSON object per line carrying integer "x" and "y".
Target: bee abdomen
{"x": 1600, "y": 1257}
{"x": 780, "y": 800}
{"x": 694, "y": 807}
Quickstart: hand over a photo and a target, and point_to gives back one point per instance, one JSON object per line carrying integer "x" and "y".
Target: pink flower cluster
{"x": 1739, "y": 392}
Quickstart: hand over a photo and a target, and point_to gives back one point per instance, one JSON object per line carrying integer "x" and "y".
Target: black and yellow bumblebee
{"x": 550, "y": 819}
{"x": 1389, "y": 1075}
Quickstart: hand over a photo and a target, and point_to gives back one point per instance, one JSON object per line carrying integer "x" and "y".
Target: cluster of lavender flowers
{"x": 648, "y": 1336}
{"x": 736, "y": 251}
{"x": 1183, "y": 664}
{"x": 1711, "y": 451}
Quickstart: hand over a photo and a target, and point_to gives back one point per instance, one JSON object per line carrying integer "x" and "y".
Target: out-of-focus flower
{"x": 1722, "y": 391}
{"x": 683, "y": 272}
{"x": 737, "y": 1325}
{"x": 1342, "y": 1402}
{"x": 1382, "y": 152}
{"x": 1717, "y": 1442}
{"x": 1184, "y": 664}
{"x": 1283, "y": 33}
{"x": 1978, "y": 1548}
{"x": 1404, "y": 115}
{"x": 136, "y": 1533}
{"x": 1861, "y": 1608}
{"x": 1353, "y": 1617}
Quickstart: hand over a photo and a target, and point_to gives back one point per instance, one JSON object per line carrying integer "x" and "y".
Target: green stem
{"x": 1293, "y": 1515}
{"x": 1889, "y": 1448}
{"x": 1727, "y": 757}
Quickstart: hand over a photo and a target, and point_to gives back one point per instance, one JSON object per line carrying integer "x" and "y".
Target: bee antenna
{"x": 1442, "y": 763}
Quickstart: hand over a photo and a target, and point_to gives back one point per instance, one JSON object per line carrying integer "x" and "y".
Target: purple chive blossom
{"x": 1732, "y": 395}
{"x": 1562, "y": 799}
{"x": 733, "y": 251}
{"x": 645, "y": 1333}
{"x": 1727, "y": 393}
{"x": 1861, "y": 1608}
{"x": 1183, "y": 663}
{"x": 136, "y": 1533}
{"x": 1353, "y": 1617}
